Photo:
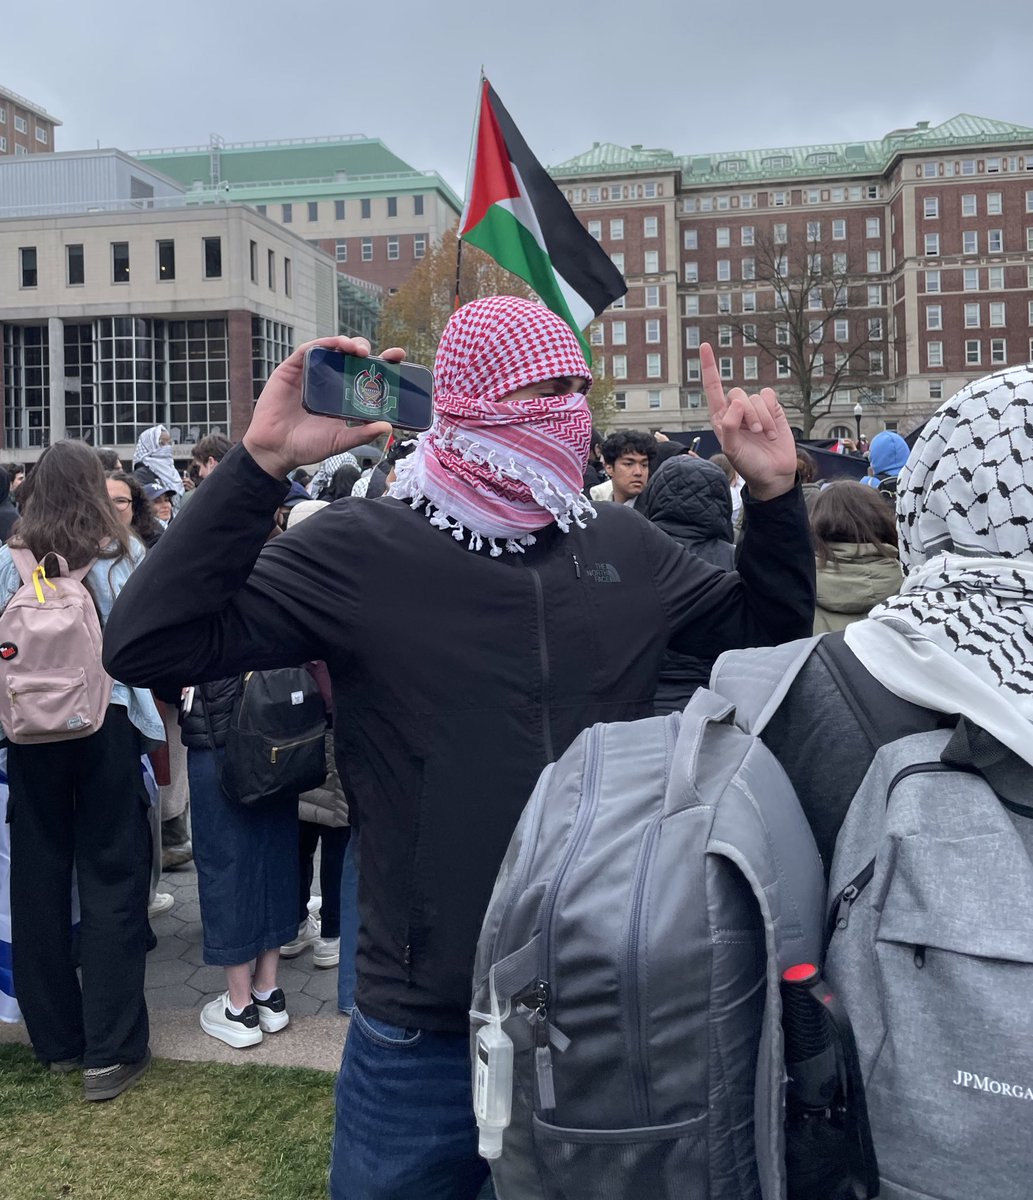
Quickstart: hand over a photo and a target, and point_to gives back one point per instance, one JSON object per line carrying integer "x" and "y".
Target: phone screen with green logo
{"x": 367, "y": 389}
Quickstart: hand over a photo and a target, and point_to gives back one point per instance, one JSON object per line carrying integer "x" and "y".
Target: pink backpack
{"x": 53, "y": 685}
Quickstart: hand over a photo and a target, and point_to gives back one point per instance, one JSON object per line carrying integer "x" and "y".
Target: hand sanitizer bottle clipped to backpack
{"x": 493, "y": 1080}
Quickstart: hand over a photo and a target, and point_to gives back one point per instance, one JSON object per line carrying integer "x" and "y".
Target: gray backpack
{"x": 931, "y": 951}
{"x": 660, "y": 880}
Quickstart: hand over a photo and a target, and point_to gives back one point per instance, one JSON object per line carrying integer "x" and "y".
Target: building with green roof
{"x": 919, "y": 245}
{"x": 374, "y": 213}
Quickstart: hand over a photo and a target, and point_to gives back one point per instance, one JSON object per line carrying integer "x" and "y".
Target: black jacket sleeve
{"x": 213, "y": 598}
{"x": 769, "y": 599}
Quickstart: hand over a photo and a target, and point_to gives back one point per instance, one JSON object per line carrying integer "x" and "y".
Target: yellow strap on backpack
{"x": 39, "y": 576}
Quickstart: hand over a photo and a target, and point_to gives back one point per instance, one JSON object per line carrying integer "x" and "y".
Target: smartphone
{"x": 695, "y": 444}
{"x": 361, "y": 390}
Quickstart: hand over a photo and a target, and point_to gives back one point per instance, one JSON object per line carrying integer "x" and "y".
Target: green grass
{"x": 186, "y": 1131}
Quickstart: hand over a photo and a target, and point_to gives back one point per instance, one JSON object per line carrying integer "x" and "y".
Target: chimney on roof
{"x": 921, "y": 124}
{"x": 595, "y": 145}
{"x": 636, "y": 146}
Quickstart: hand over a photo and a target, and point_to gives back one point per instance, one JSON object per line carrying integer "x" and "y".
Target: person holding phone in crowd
{"x": 458, "y": 617}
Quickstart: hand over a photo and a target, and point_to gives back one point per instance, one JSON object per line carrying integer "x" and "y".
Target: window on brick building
{"x": 875, "y": 293}
{"x": 724, "y": 335}
{"x": 617, "y": 258}
{"x": 691, "y": 306}
{"x": 652, "y": 297}
{"x": 973, "y": 353}
{"x": 814, "y": 231}
{"x": 419, "y": 245}
{"x": 653, "y": 366}
{"x": 995, "y": 279}
{"x": 692, "y": 338}
{"x": 749, "y": 367}
{"x": 620, "y": 366}
{"x": 341, "y": 250}
{"x": 653, "y": 399}
{"x": 875, "y": 329}
{"x": 724, "y": 302}
{"x": 690, "y": 239}
{"x": 934, "y": 354}
{"x": 749, "y": 268}
{"x": 749, "y": 335}
{"x": 874, "y": 261}
{"x": 367, "y": 249}
{"x": 932, "y": 244}
{"x": 749, "y": 302}
{"x": 994, "y": 241}
{"x": 936, "y": 389}
{"x": 781, "y": 334}
{"x": 998, "y": 351}
{"x": 970, "y": 279}
{"x": 997, "y": 313}
{"x": 872, "y": 227}
{"x": 595, "y": 229}
{"x": 618, "y": 333}
{"x": 649, "y": 227}
{"x": 994, "y": 204}
{"x": 617, "y": 229}
{"x": 782, "y": 366}
{"x": 724, "y": 236}
{"x": 620, "y": 401}
{"x": 968, "y": 205}
{"x": 876, "y": 363}
{"x": 724, "y": 270}
{"x": 971, "y": 316}
{"x": 598, "y": 335}
{"x": 780, "y": 234}
{"x": 651, "y": 262}
{"x": 392, "y": 249}
{"x": 934, "y": 316}
{"x": 931, "y": 207}
{"x": 841, "y": 329}
{"x": 932, "y": 281}
{"x": 652, "y": 330}
{"x": 969, "y": 241}
{"x": 746, "y": 235}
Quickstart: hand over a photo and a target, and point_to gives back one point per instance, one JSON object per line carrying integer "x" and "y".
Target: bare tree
{"x": 811, "y": 317}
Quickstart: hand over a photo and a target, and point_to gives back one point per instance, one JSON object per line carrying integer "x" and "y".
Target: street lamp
{"x": 858, "y": 412}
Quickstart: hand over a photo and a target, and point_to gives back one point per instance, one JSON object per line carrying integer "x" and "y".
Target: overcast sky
{"x": 674, "y": 73}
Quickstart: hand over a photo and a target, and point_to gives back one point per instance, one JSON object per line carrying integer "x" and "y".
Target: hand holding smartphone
{"x": 359, "y": 391}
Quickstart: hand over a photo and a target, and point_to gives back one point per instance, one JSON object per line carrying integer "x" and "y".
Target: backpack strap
{"x": 25, "y": 561}
{"x": 756, "y": 681}
{"x": 759, "y": 827}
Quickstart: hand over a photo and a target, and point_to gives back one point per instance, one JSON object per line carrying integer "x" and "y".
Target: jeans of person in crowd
{"x": 154, "y": 822}
{"x": 247, "y": 867}
{"x": 82, "y": 804}
{"x": 404, "y": 1125}
{"x": 333, "y": 842}
{"x": 349, "y": 925}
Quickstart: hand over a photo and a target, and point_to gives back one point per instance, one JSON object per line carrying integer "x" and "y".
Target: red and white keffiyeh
{"x": 491, "y": 469}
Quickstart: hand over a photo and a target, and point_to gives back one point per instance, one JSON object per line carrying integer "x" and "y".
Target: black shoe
{"x": 64, "y": 1066}
{"x": 105, "y": 1083}
{"x": 272, "y": 1013}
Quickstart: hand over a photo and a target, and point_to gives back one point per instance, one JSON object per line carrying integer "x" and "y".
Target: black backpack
{"x": 275, "y": 741}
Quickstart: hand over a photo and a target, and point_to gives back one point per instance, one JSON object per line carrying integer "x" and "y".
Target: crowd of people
{"x": 467, "y": 607}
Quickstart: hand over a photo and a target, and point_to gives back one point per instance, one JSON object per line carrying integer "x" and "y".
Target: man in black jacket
{"x": 525, "y": 619}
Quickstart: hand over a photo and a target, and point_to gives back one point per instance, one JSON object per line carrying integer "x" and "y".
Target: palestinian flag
{"x": 516, "y": 214}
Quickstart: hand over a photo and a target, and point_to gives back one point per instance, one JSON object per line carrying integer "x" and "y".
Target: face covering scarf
{"x": 493, "y": 470}
{"x": 965, "y": 519}
{"x": 151, "y": 453}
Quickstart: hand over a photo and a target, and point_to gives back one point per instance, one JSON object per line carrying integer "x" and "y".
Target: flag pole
{"x": 470, "y": 162}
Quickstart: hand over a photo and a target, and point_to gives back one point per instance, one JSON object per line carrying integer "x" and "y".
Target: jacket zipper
{"x": 546, "y": 966}
{"x": 290, "y": 745}
{"x": 543, "y": 656}
{"x": 632, "y": 1005}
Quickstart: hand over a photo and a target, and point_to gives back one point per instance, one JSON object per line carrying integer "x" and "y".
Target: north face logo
{"x": 603, "y": 573}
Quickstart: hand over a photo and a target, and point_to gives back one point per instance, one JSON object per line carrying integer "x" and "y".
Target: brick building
{"x": 25, "y": 128}
{"x": 373, "y": 213}
{"x": 887, "y": 273}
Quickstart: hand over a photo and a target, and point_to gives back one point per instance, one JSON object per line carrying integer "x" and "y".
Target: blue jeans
{"x": 404, "y": 1128}
{"x": 349, "y": 924}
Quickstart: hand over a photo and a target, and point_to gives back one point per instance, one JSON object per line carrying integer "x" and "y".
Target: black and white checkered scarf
{"x": 965, "y": 520}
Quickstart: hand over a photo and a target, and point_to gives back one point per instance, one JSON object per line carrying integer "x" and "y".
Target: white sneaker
{"x": 237, "y": 1031}
{"x": 326, "y": 952}
{"x": 272, "y": 1013}
{"x": 308, "y": 932}
{"x": 161, "y": 903}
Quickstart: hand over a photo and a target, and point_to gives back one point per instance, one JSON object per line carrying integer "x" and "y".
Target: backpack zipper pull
{"x": 577, "y": 566}
{"x": 846, "y": 898}
{"x": 919, "y": 957}
{"x": 542, "y": 1053}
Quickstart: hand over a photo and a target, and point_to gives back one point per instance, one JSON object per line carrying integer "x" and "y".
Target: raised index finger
{"x": 712, "y": 385}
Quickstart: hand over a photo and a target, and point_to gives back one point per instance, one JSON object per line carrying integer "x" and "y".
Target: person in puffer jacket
{"x": 855, "y": 542}
{"x": 886, "y": 458}
{"x": 690, "y": 499}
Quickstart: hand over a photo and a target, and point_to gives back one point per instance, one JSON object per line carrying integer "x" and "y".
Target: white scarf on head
{"x": 959, "y": 636}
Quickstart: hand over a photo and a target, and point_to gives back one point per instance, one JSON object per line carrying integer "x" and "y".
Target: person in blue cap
{"x": 886, "y": 458}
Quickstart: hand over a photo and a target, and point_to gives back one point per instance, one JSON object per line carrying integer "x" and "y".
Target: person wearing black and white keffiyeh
{"x": 959, "y": 636}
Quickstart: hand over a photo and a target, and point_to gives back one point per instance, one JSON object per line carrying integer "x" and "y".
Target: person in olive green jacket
{"x": 855, "y": 543}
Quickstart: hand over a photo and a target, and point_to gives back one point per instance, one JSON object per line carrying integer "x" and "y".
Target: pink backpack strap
{"x": 25, "y": 561}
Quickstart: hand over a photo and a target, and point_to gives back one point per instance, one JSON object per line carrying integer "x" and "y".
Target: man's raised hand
{"x": 753, "y": 432}
{"x": 282, "y": 435}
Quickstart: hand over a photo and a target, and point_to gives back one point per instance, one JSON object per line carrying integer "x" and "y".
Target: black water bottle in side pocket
{"x": 829, "y": 1151}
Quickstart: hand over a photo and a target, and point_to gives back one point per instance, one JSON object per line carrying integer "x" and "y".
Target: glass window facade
{"x": 26, "y": 386}
{"x": 271, "y": 342}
